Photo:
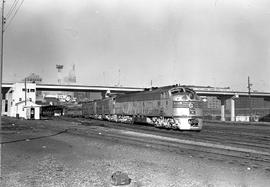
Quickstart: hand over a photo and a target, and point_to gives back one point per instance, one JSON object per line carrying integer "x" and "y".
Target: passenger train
{"x": 176, "y": 107}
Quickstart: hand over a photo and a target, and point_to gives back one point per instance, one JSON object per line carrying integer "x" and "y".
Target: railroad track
{"x": 248, "y": 157}
{"x": 249, "y": 149}
{"x": 237, "y": 138}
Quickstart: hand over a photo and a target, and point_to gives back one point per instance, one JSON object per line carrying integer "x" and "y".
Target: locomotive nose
{"x": 187, "y": 112}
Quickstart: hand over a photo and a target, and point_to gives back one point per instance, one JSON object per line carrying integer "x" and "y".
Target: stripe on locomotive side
{"x": 186, "y": 104}
{"x": 188, "y": 116}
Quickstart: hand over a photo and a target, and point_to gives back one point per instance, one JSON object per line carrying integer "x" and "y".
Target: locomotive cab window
{"x": 192, "y": 95}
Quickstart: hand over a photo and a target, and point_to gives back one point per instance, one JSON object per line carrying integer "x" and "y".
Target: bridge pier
{"x": 232, "y": 99}
{"x": 232, "y": 109}
{"x": 223, "y": 106}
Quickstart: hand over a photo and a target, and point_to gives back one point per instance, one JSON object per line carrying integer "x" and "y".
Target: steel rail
{"x": 246, "y": 157}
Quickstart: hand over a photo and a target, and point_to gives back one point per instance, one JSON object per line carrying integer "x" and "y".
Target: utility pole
{"x": 1, "y": 73}
{"x": 2, "y": 55}
{"x": 25, "y": 93}
{"x": 249, "y": 98}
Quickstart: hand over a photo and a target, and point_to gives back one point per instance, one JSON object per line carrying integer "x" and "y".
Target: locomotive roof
{"x": 153, "y": 90}
{"x": 164, "y": 88}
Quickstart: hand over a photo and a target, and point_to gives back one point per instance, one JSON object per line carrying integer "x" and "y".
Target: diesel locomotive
{"x": 176, "y": 107}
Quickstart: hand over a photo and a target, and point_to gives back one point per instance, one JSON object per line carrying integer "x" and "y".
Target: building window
{"x": 30, "y": 99}
{"x": 23, "y": 89}
{"x": 32, "y": 90}
{"x": 20, "y": 99}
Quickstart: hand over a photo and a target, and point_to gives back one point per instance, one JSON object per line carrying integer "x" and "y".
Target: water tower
{"x": 59, "y": 68}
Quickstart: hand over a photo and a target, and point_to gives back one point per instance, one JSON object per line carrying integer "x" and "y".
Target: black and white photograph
{"x": 135, "y": 93}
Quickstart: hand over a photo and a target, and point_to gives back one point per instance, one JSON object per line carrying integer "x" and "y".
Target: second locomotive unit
{"x": 177, "y": 107}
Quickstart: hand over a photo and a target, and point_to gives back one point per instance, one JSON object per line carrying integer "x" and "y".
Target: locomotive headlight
{"x": 177, "y": 98}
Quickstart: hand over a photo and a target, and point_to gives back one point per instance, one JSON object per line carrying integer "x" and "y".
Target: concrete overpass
{"x": 78, "y": 88}
{"x": 224, "y": 95}
{"x": 221, "y": 94}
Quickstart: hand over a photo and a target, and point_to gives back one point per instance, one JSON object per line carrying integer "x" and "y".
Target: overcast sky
{"x": 198, "y": 42}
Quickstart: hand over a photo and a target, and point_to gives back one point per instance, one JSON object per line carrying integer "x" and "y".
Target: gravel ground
{"x": 72, "y": 160}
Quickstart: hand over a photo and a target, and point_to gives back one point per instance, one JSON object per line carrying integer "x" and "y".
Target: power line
{"x": 13, "y": 6}
{"x": 12, "y": 10}
{"x": 14, "y": 15}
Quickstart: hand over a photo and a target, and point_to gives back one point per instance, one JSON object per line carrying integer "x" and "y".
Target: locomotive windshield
{"x": 191, "y": 94}
{"x": 185, "y": 92}
{"x": 175, "y": 91}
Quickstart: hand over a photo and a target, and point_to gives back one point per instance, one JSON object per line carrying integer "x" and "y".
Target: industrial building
{"x": 21, "y": 101}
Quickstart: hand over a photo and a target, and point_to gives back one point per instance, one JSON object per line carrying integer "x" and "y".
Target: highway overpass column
{"x": 233, "y": 106}
{"x": 222, "y": 108}
{"x": 232, "y": 109}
